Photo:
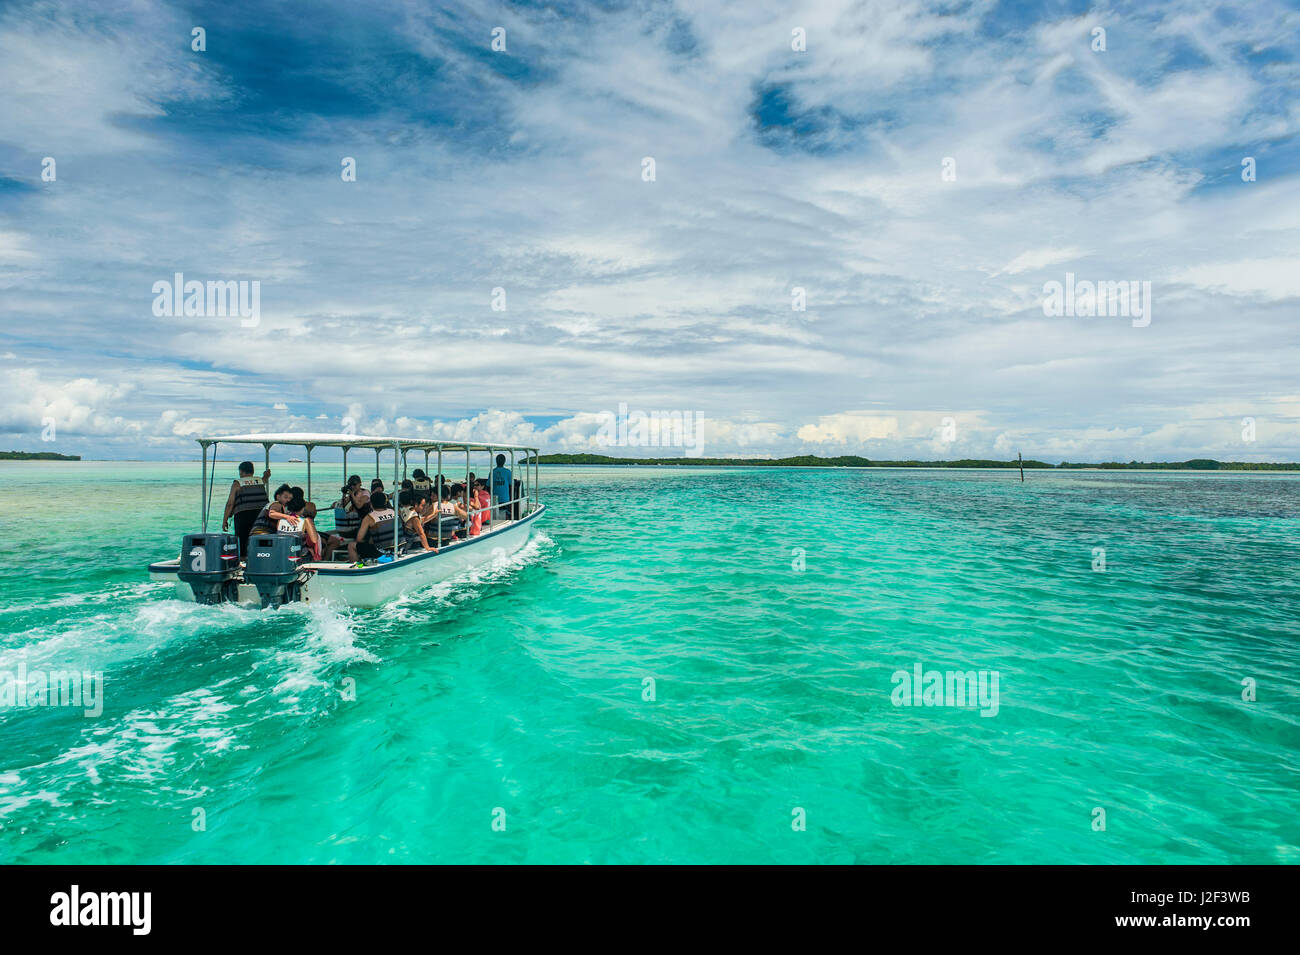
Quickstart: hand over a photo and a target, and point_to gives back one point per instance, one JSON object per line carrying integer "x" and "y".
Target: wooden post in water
{"x": 1021, "y": 458}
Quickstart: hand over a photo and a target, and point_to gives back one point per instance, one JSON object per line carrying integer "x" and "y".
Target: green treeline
{"x": 37, "y": 456}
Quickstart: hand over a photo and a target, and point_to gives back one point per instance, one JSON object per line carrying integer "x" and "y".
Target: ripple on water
{"x": 654, "y": 678}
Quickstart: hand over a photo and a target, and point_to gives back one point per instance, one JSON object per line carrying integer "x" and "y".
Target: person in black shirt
{"x": 246, "y": 499}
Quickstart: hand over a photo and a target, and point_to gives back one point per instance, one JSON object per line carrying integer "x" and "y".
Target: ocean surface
{"x": 683, "y": 665}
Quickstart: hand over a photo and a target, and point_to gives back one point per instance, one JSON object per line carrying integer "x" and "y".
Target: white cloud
{"x": 79, "y": 406}
{"x": 70, "y": 89}
{"x": 677, "y": 293}
{"x": 1039, "y": 258}
{"x": 1272, "y": 279}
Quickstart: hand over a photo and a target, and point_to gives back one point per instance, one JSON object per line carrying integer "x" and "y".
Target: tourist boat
{"x": 210, "y": 569}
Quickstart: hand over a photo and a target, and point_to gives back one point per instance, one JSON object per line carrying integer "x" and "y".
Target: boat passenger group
{"x": 429, "y": 511}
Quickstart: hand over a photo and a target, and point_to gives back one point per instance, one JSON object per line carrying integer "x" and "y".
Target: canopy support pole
{"x": 212, "y": 477}
{"x": 203, "y": 487}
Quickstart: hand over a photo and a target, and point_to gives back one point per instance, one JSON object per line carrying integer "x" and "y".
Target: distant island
{"x": 37, "y": 456}
{"x": 853, "y": 461}
{"x": 813, "y": 461}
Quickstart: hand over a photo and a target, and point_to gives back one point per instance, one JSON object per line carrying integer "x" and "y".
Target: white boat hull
{"x": 373, "y": 585}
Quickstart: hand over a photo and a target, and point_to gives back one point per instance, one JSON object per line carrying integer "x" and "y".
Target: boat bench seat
{"x": 444, "y": 527}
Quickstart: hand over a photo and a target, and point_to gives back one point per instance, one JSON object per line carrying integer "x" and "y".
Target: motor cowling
{"x": 210, "y": 565}
{"x": 273, "y": 566}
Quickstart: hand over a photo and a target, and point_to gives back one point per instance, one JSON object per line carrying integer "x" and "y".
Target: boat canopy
{"x": 401, "y": 448}
{"x": 306, "y": 440}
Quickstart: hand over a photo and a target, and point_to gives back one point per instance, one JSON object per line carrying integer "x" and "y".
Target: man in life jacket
{"x": 351, "y": 509}
{"x": 423, "y": 486}
{"x": 246, "y": 499}
{"x": 269, "y": 517}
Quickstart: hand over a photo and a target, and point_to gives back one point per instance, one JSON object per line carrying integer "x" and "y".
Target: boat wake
{"x": 418, "y": 605}
{"x": 188, "y": 688}
{"x": 180, "y": 688}
{"x": 325, "y": 646}
{"x": 193, "y": 694}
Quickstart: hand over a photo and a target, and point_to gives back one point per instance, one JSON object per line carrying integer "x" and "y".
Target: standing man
{"x": 501, "y": 484}
{"x": 246, "y": 499}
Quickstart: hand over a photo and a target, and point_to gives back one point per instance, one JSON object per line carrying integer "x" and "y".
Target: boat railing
{"x": 529, "y": 483}
{"x": 530, "y": 506}
{"x": 509, "y": 505}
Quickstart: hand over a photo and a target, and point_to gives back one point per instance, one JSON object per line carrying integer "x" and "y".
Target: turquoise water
{"x": 522, "y": 688}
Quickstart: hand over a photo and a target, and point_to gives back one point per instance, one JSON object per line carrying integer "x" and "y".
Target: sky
{"x": 623, "y": 208}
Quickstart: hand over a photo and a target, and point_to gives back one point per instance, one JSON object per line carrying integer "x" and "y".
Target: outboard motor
{"x": 272, "y": 567}
{"x": 210, "y": 565}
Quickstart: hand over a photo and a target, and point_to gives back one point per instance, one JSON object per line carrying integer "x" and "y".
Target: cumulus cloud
{"x": 855, "y": 428}
{"x": 77, "y": 407}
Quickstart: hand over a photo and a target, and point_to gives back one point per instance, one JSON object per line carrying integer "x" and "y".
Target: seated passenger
{"x": 483, "y": 501}
{"x": 450, "y": 511}
{"x": 412, "y": 519}
{"x": 429, "y": 515}
{"x": 458, "y": 500}
{"x": 375, "y": 536}
{"x": 297, "y": 522}
{"x": 345, "y": 497}
{"x": 329, "y": 542}
{"x": 347, "y": 519}
{"x": 477, "y": 515}
{"x": 268, "y": 519}
{"x": 376, "y": 485}
{"x": 423, "y": 486}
